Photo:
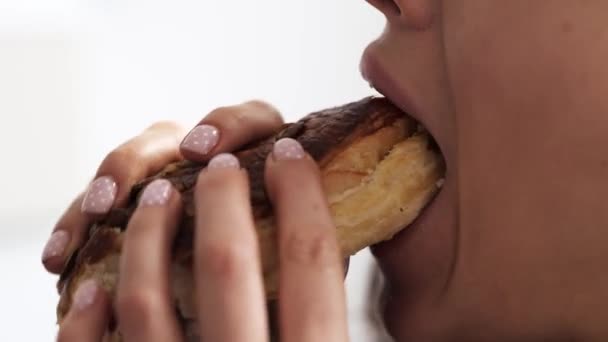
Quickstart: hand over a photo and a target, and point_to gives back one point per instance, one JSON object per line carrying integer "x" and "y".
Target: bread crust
{"x": 378, "y": 167}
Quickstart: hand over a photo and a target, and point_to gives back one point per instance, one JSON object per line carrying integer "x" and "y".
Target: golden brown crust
{"x": 378, "y": 172}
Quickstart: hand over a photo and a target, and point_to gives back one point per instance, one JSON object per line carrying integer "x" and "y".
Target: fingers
{"x": 224, "y": 129}
{"x": 88, "y": 317}
{"x": 144, "y": 307}
{"x": 66, "y": 237}
{"x": 131, "y": 162}
{"x": 228, "y": 128}
{"x": 120, "y": 170}
{"x": 311, "y": 296}
{"x": 230, "y": 295}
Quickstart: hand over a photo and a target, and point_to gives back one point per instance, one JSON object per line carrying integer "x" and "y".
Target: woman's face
{"x": 514, "y": 93}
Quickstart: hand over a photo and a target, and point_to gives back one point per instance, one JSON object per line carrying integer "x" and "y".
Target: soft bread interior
{"x": 389, "y": 198}
{"x": 375, "y": 187}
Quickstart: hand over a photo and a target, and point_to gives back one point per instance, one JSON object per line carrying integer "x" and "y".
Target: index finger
{"x": 228, "y": 128}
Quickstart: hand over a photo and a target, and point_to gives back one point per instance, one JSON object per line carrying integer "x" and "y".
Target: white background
{"x": 79, "y": 77}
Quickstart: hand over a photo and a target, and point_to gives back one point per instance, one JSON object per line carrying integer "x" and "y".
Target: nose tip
{"x": 387, "y": 7}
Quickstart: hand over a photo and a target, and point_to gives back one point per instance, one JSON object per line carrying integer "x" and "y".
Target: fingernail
{"x": 56, "y": 245}
{"x": 156, "y": 193}
{"x": 100, "y": 196}
{"x": 85, "y": 295}
{"x": 288, "y": 149}
{"x": 202, "y": 139}
{"x": 224, "y": 161}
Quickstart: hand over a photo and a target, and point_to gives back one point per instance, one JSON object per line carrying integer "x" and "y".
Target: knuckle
{"x": 119, "y": 158}
{"x": 138, "y": 304}
{"x": 231, "y": 117}
{"x": 254, "y": 112}
{"x": 264, "y": 107}
{"x": 318, "y": 249}
{"x": 225, "y": 261}
{"x": 164, "y": 125}
{"x": 260, "y": 104}
{"x": 268, "y": 110}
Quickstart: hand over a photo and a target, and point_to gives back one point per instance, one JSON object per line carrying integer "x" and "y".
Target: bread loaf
{"x": 379, "y": 169}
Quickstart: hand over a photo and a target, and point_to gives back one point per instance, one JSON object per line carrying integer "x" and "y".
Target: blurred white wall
{"x": 79, "y": 77}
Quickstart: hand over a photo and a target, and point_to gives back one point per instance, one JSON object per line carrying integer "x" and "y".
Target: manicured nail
{"x": 85, "y": 295}
{"x": 202, "y": 139}
{"x": 56, "y": 245}
{"x": 288, "y": 149}
{"x": 100, "y": 196}
{"x": 224, "y": 161}
{"x": 156, "y": 193}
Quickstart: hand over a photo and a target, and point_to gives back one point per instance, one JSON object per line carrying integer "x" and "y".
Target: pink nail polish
{"x": 224, "y": 161}
{"x": 156, "y": 193}
{"x": 85, "y": 295}
{"x": 288, "y": 149}
{"x": 202, "y": 139}
{"x": 56, "y": 245}
{"x": 100, "y": 196}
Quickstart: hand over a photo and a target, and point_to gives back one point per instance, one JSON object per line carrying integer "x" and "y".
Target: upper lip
{"x": 380, "y": 79}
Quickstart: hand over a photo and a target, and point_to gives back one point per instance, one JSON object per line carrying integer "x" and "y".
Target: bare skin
{"x": 513, "y": 248}
{"x": 513, "y": 91}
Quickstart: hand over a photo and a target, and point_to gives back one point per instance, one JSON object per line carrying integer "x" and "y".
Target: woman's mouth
{"x": 381, "y": 80}
{"x": 375, "y": 68}
{"x": 424, "y": 252}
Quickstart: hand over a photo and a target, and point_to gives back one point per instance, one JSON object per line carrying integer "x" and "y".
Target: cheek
{"x": 515, "y": 88}
{"x": 522, "y": 77}
{"x": 518, "y": 93}
{"x": 491, "y": 59}
{"x": 520, "y": 59}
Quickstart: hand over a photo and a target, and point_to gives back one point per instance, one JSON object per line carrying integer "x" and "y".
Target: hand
{"x": 229, "y": 290}
{"x": 145, "y": 155}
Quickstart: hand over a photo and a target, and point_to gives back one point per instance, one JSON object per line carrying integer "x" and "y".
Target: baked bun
{"x": 379, "y": 169}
